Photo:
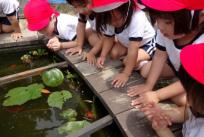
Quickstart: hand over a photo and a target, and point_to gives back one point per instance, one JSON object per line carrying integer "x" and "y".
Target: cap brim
{"x": 164, "y": 5}
{"x": 107, "y": 7}
{"x": 191, "y": 59}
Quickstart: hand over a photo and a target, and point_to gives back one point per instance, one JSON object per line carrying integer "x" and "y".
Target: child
{"x": 9, "y": 18}
{"x": 42, "y": 18}
{"x": 88, "y": 34}
{"x": 192, "y": 79}
{"x": 176, "y": 29}
{"x": 134, "y": 36}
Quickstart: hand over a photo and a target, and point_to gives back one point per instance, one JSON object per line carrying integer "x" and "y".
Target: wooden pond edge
{"x": 29, "y": 73}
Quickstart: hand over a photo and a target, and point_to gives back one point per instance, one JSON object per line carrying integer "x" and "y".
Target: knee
{"x": 144, "y": 72}
{"x": 125, "y": 60}
{"x": 114, "y": 54}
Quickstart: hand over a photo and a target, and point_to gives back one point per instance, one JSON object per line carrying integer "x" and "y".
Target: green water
{"x": 11, "y": 63}
{"x": 37, "y": 119}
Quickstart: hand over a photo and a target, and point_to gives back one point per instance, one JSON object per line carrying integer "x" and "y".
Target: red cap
{"x": 38, "y": 13}
{"x": 192, "y": 59}
{"x": 106, "y": 5}
{"x": 174, "y": 5}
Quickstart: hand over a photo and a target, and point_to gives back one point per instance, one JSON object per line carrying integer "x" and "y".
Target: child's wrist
{"x": 61, "y": 45}
{"x": 126, "y": 73}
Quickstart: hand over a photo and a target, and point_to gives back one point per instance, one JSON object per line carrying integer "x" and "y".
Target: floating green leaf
{"x": 69, "y": 114}
{"x": 20, "y": 95}
{"x": 71, "y": 127}
{"x": 58, "y": 98}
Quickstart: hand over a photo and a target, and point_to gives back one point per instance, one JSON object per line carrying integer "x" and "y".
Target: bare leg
{"x": 118, "y": 50}
{"x": 6, "y": 28}
{"x": 167, "y": 72}
{"x": 142, "y": 56}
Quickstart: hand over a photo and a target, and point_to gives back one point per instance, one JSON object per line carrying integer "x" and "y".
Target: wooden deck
{"x": 131, "y": 121}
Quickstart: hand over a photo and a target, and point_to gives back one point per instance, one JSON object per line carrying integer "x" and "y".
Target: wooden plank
{"x": 71, "y": 59}
{"x": 27, "y": 39}
{"x": 117, "y": 100}
{"x": 101, "y": 81}
{"x": 134, "y": 124}
{"x": 93, "y": 127}
{"x": 28, "y": 73}
{"x": 87, "y": 69}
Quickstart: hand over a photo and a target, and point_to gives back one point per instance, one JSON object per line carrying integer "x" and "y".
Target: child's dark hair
{"x": 126, "y": 9}
{"x": 80, "y": 2}
{"x": 182, "y": 19}
{"x": 194, "y": 91}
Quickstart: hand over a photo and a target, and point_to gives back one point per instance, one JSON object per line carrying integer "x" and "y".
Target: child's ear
{"x": 53, "y": 17}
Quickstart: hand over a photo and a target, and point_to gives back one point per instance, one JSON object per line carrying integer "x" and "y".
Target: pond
{"x": 11, "y": 62}
{"x": 36, "y": 118}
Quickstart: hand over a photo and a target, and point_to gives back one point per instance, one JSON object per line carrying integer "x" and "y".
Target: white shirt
{"x": 8, "y": 7}
{"x": 193, "y": 127}
{"x": 139, "y": 28}
{"x": 66, "y": 26}
{"x": 91, "y": 20}
{"x": 172, "y": 50}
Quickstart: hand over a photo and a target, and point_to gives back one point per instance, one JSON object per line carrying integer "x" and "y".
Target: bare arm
{"x": 15, "y": 24}
{"x": 80, "y": 34}
{"x": 170, "y": 91}
{"x": 131, "y": 57}
{"x": 158, "y": 62}
{"x": 69, "y": 44}
{"x": 107, "y": 45}
{"x": 164, "y": 132}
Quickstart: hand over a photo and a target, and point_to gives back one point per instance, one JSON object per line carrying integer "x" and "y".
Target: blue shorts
{"x": 149, "y": 47}
{"x": 5, "y": 21}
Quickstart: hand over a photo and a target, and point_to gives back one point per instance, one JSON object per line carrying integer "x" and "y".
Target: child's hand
{"x": 156, "y": 114}
{"x": 145, "y": 98}
{"x": 54, "y": 44}
{"x": 74, "y": 50}
{"x": 16, "y": 36}
{"x": 158, "y": 123}
{"x": 100, "y": 62}
{"x": 120, "y": 80}
{"x": 138, "y": 89}
{"x": 91, "y": 59}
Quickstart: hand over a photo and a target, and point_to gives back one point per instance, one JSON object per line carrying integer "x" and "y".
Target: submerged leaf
{"x": 58, "y": 98}
{"x": 20, "y": 95}
{"x": 69, "y": 114}
{"x": 71, "y": 127}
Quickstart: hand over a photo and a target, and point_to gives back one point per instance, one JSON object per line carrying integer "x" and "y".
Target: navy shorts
{"x": 149, "y": 47}
{"x": 5, "y": 21}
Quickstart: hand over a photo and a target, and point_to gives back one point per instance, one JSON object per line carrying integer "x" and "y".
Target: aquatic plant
{"x": 58, "y": 98}
{"x": 21, "y": 95}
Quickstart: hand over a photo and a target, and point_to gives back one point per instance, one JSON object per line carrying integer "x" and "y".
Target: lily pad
{"x": 58, "y": 98}
{"x": 74, "y": 126}
{"x": 20, "y": 95}
{"x": 69, "y": 114}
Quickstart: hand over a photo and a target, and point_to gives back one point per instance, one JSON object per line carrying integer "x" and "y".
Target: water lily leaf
{"x": 58, "y": 98}
{"x": 71, "y": 127}
{"x": 20, "y": 95}
{"x": 69, "y": 114}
